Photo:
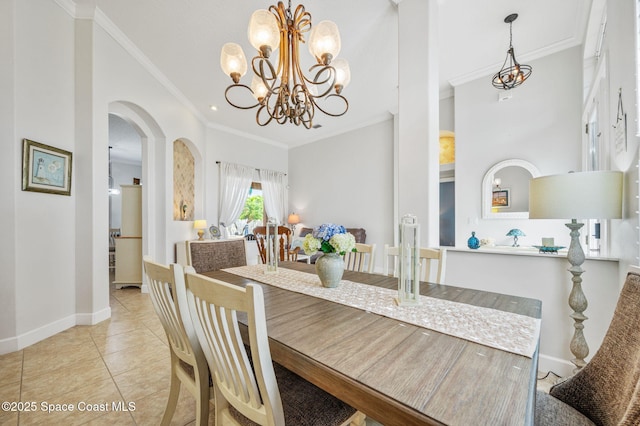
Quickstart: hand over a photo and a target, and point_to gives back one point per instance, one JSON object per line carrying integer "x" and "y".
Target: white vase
{"x": 330, "y": 268}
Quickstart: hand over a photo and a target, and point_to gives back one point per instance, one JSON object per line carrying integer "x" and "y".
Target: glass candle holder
{"x": 271, "y": 246}
{"x": 409, "y": 262}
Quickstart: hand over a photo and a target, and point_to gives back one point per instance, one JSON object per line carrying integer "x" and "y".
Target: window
{"x": 252, "y": 214}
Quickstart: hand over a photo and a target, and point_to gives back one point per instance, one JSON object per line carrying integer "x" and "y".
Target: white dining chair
{"x": 188, "y": 364}
{"x": 428, "y": 257}
{"x": 248, "y": 385}
{"x": 361, "y": 260}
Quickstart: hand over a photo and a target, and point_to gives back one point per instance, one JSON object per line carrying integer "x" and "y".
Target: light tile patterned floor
{"x": 120, "y": 361}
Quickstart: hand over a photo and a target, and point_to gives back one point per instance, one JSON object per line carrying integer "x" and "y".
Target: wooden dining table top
{"x": 394, "y": 372}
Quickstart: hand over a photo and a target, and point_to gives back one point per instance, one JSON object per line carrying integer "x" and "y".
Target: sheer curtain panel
{"x": 235, "y": 181}
{"x": 273, "y": 194}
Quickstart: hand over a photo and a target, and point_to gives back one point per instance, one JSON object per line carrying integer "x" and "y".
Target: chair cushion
{"x": 551, "y": 411}
{"x": 304, "y": 404}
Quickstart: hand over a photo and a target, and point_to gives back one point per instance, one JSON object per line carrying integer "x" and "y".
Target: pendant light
{"x": 512, "y": 74}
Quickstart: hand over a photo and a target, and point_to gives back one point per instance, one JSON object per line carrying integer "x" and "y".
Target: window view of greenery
{"x": 253, "y": 213}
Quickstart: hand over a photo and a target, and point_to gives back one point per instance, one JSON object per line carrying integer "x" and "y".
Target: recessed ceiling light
{"x": 213, "y": 107}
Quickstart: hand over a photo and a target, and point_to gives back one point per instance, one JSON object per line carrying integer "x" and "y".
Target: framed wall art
{"x": 45, "y": 168}
{"x": 501, "y": 198}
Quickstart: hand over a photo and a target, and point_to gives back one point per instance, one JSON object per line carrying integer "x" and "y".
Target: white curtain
{"x": 273, "y": 187}
{"x": 235, "y": 182}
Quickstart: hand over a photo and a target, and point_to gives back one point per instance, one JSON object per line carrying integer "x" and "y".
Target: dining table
{"x": 398, "y": 371}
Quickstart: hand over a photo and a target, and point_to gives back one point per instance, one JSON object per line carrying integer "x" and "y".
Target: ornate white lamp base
{"x": 577, "y": 299}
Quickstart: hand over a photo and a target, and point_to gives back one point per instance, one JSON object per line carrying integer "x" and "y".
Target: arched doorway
{"x": 153, "y": 165}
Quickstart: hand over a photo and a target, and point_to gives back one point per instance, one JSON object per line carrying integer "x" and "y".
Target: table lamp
{"x": 293, "y": 220}
{"x": 586, "y": 195}
{"x": 200, "y": 225}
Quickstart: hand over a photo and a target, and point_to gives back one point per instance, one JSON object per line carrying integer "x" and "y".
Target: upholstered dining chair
{"x": 606, "y": 391}
{"x": 248, "y": 385}
{"x": 188, "y": 364}
{"x": 428, "y": 257}
{"x": 361, "y": 260}
{"x": 284, "y": 244}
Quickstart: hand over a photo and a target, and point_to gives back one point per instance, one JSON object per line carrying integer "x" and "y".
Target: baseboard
{"x": 93, "y": 318}
{"x": 13, "y": 344}
{"x": 21, "y": 341}
{"x": 8, "y": 345}
{"x": 561, "y": 367}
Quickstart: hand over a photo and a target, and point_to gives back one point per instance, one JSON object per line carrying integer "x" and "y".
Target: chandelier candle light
{"x": 271, "y": 246}
{"x": 283, "y": 92}
{"x": 409, "y": 276}
{"x": 512, "y": 74}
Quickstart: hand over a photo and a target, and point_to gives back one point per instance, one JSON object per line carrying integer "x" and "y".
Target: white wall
{"x": 10, "y": 143}
{"x": 66, "y": 76}
{"x": 619, "y": 50}
{"x": 42, "y": 285}
{"x": 347, "y": 180}
{"x": 541, "y": 123}
{"x": 447, "y": 114}
{"x": 123, "y": 174}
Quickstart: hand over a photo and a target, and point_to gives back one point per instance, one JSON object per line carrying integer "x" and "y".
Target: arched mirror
{"x": 505, "y": 190}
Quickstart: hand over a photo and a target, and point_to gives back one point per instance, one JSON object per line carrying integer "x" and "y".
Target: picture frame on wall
{"x": 45, "y": 168}
{"x": 501, "y": 198}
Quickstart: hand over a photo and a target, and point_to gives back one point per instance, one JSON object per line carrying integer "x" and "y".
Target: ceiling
{"x": 180, "y": 43}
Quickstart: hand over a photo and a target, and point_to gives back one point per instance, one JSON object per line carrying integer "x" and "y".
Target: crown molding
{"x": 115, "y": 32}
{"x": 222, "y": 128}
{"x": 68, "y": 6}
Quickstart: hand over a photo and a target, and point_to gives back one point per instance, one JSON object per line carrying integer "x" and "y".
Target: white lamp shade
{"x": 232, "y": 59}
{"x": 293, "y": 219}
{"x": 583, "y": 195}
{"x": 263, "y": 30}
{"x": 324, "y": 38}
{"x": 258, "y": 88}
{"x": 200, "y": 224}
{"x": 343, "y": 72}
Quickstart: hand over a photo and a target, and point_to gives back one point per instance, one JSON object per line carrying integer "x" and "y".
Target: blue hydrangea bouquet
{"x": 329, "y": 238}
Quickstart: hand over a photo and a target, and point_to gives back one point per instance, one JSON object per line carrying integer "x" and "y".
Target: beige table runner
{"x": 490, "y": 327}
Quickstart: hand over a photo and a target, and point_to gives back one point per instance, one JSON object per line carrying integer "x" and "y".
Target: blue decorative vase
{"x": 330, "y": 268}
{"x": 473, "y": 242}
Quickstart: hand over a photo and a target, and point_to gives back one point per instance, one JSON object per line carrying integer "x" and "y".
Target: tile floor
{"x": 124, "y": 360}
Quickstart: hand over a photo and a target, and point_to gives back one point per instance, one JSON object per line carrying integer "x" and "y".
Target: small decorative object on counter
{"x": 548, "y": 242}
{"x": 515, "y": 233}
{"x": 473, "y": 242}
{"x": 409, "y": 276}
{"x": 549, "y": 249}
{"x": 488, "y": 242}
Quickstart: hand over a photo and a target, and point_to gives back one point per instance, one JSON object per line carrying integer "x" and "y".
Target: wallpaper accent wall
{"x": 183, "y": 181}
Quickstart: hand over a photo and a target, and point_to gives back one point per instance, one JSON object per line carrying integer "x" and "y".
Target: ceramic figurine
{"x": 473, "y": 242}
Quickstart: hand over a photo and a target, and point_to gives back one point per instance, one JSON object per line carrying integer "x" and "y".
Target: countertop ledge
{"x": 526, "y": 251}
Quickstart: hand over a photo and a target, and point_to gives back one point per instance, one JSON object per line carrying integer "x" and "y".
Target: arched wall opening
{"x": 154, "y": 216}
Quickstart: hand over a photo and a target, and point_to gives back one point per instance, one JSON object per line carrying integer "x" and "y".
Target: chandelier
{"x": 512, "y": 74}
{"x": 281, "y": 91}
